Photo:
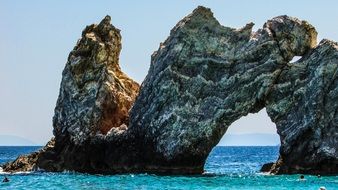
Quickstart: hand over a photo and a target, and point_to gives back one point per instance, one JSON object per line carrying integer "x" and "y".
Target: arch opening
{"x": 295, "y": 59}
{"x": 248, "y": 143}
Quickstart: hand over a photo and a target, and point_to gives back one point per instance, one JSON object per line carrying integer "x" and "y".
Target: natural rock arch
{"x": 206, "y": 76}
{"x": 202, "y": 78}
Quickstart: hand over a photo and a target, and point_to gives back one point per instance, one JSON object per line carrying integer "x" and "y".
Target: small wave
{"x": 2, "y": 172}
{"x": 70, "y": 172}
{"x": 209, "y": 174}
{"x": 265, "y": 173}
{"x": 21, "y": 172}
{"x": 16, "y": 173}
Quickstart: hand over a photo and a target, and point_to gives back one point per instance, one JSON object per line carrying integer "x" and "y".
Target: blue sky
{"x": 36, "y": 37}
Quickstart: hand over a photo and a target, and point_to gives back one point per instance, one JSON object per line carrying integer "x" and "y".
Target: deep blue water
{"x": 226, "y": 168}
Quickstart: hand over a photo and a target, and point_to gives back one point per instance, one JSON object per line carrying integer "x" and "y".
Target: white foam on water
{"x": 22, "y": 172}
{"x": 265, "y": 173}
{"x": 13, "y": 173}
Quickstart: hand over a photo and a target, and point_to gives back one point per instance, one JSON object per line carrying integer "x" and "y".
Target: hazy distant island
{"x": 252, "y": 139}
{"x": 201, "y": 79}
{"x": 11, "y": 140}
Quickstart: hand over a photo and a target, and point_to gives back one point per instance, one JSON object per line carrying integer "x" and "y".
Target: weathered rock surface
{"x": 202, "y": 78}
{"x": 95, "y": 95}
{"x": 303, "y": 105}
{"x": 28, "y": 162}
{"x": 206, "y": 76}
{"x": 93, "y": 104}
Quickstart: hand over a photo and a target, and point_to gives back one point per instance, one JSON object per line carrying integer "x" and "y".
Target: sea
{"x": 227, "y": 167}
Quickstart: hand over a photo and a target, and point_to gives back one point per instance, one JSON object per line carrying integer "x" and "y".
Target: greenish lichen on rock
{"x": 206, "y": 76}
{"x": 95, "y": 95}
{"x": 202, "y": 78}
{"x": 303, "y": 105}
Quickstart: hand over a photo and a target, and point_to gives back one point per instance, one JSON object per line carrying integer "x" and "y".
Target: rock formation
{"x": 201, "y": 79}
{"x": 95, "y": 95}
{"x": 303, "y": 105}
{"x": 206, "y": 76}
{"x": 92, "y": 107}
{"x": 28, "y": 162}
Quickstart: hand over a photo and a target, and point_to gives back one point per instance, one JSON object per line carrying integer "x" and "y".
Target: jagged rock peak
{"x": 200, "y": 16}
{"x": 95, "y": 95}
{"x": 204, "y": 11}
{"x": 104, "y": 29}
{"x": 105, "y": 21}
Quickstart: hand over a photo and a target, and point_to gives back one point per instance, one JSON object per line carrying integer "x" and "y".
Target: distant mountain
{"x": 255, "y": 139}
{"x": 10, "y": 140}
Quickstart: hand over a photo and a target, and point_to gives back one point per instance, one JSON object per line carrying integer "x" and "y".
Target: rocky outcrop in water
{"x": 201, "y": 79}
{"x": 303, "y": 105}
{"x": 29, "y": 162}
{"x": 94, "y": 100}
{"x": 95, "y": 95}
{"x": 92, "y": 107}
{"x": 206, "y": 76}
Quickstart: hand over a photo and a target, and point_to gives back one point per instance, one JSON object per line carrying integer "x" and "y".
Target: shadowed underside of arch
{"x": 201, "y": 79}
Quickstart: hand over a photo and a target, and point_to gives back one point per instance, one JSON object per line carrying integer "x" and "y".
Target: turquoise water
{"x": 226, "y": 168}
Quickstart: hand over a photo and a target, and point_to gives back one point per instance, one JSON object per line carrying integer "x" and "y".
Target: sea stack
{"x": 92, "y": 108}
{"x": 202, "y": 78}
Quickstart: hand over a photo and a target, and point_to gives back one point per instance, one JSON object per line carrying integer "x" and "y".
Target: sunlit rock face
{"x": 94, "y": 101}
{"x": 202, "y": 78}
{"x": 92, "y": 108}
{"x": 95, "y": 95}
